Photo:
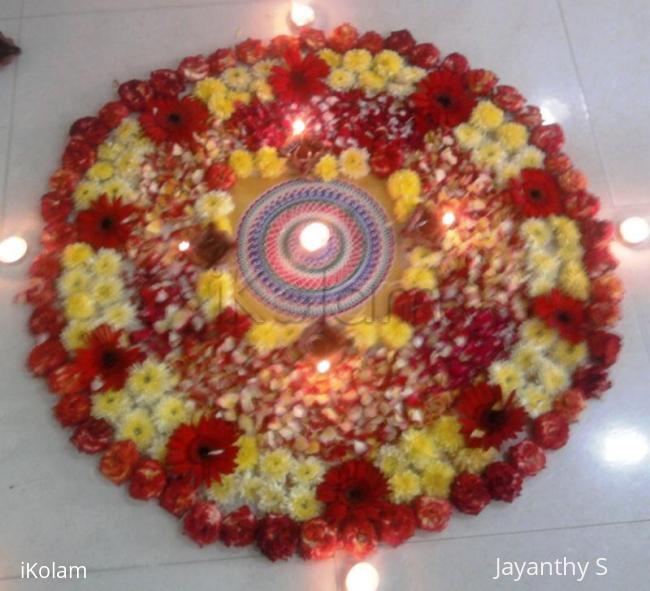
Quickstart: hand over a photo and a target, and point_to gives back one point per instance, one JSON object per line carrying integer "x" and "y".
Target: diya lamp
{"x": 322, "y": 344}
{"x": 206, "y": 247}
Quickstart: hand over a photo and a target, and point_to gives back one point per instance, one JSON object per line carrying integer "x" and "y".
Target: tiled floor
{"x": 584, "y": 61}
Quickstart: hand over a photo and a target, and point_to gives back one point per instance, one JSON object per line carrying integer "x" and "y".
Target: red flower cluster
{"x": 301, "y": 79}
{"x": 536, "y": 194}
{"x": 278, "y": 536}
{"x": 563, "y": 313}
{"x": 106, "y": 224}
{"x": 175, "y": 121}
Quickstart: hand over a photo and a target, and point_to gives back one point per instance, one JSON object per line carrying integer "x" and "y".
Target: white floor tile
{"x": 612, "y": 55}
{"x": 10, "y": 8}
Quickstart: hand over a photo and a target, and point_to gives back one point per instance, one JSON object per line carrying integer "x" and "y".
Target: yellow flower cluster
{"x": 496, "y": 143}
{"x": 404, "y": 187}
{"x": 216, "y": 291}
{"x": 391, "y": 332}
{"x": 554, "y": 257}
{"x": 269, "y": 335}
{"x": 117, "y": 170}
{"x": 214, "y": 207}
{"x": 421, "y": 274}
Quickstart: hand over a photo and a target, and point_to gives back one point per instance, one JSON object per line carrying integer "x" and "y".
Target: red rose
{"x": 119, "y": 460}
{"x": 318, "y": 539}
{"x": 92, "y": 436}
{"x": 55, "y": 207}
{"x": 46, "y": 320}
{"x": 72, "y": 409}
{"x": 46, "y": 357}
{"x": 596, "y": 233}
{"x": 604, "y": 314}
{"x": 39, "y": 292}
{"x": 79, "y": 155}
{"x": 250, "y": 51}
{"x": 530, "y": 116}
{"x": 469, "y": 493}
{"x": 343, "y": 38}
{"x": 592, "y": 380}
{"x": 90, "y": 129}
{"x": 581, "y": 205}
{"x": 481, "y": 82}
{"x": 166, "y": 83}
{"x": 221, "y": 60}
{"x": 178, "y": 496}
{"x": 386, "y": 159}
{"x": 503, "y": 481}
{"x": 572, "y": 180}
{"x": 414, "y": 306}
{"x": 238, "y": 528}
{"x": 549, "y": 138}
{"x": 136, "y": 94}
{"x": 280, "y": 44}
{"x": 432, "y": 514}
{"x": 396, "y": 524}
{"x": 455, "y": 62}
{"x": 400, "y": 41}
{"x": 599, "y": 261}
{"x": 606, "y": 289}
{"x": 193, "y": 68}
{"x": 508, "y": 98}
{"x": 570, "y": 404}
{"x": 64, "y": 180}
{"x": 371, "y": 41}
{"x": 358, "y": 537}
{"x": 112, "y": 114}
{"x": 277, "y": 536}
{"x": 550, "y": 430}
{"x": 68, "y": 379}
{"x": 312, "y": 39}
{"x": 45, "y": 265}
{"x": 202, "y": 523}
{"x": 527, "y": 457}
{"x": 220, "y": 176}
{"x": 425, "y": 55}
{"x": 148, "y": 480}
{"x": 604, "y": 347}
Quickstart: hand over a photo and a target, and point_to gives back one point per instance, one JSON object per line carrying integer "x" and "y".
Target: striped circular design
{"x": 331, "y": 280}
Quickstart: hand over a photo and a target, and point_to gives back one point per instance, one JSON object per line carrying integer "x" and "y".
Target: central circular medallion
{"x": 310, "y": 249}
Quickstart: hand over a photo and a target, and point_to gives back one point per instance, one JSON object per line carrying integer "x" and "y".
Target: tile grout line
{"x": 10, "y": 130}
{"x": 583, "y": 100}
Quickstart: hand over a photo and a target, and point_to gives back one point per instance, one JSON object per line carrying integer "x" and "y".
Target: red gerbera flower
{"x": 174, "y": 120}
{"x": 204, "y": 451}
{"x": 107, "y": 223}
{"x": 442, "y": 100}
{"x": 486, "y": 419}
{"x": 301, "y": 79}
{"x": 537, "y": 194}
{"x": 563, "y": 313}
{"x": 353, "y": 488}
{"x": 104, "y": 357}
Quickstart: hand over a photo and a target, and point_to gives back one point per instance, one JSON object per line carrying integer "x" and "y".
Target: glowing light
{"x": 183, "y": 245}
{"x": 314, "y": 236}
{"x": 634, "y": 230}
{"x": 12, "y": 249}
{"x": 362, "y": 577}
{"x": 302, "y": 14}
{"x": 626, "y": 446}
{"x": 448, "y": 218}
{"x": 323, "y": 366}
{"x": 298, "y": 126}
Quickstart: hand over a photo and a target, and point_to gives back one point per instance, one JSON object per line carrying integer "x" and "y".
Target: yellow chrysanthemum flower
{"x": 85, "y": 194}
{"x": 276, "y": 464}
{"x": 225, "y": 490}
{"x": 513, "y": 136}
{"x": 530, "y": 157}
{"x": 263, "y": 68}
{"x": 128, "y": 130}
{"x": 303, "y": 504}
{"x": 76, "y": 255}
{"x": 74, "y": 281}
{"x": 269, "y": 164}
{"x": 474, "y": 460}
{"x": 107, "y": 291}
{"x": 536, "y": 332}
{"x": 372, "y": 82}
{"x": 169, "y": 413}
{"x": 446, "y": 434}
{"x": 364, "y": 333}
{"x": 391, "y": 460}
{"x": 507, "y": 375}
{"x": 567, "y": 232}
{"x": 74, "y": 335}
{"x": 109, "y": 150}
{"x": 357, "y": 60}
{"x": 542, "y": 262}
{"x": 218, "y": 285}
{"x": 341, "y": 79}
{"x": 423, "y": 257}
{"x": 119, "y": 316}
{"x": 100, "y": 171}
{"x": 487, "y": 115}
{"x": 537, "y": 232}
{"x": 106, "y": 263}
{"x": 437, "y": 478}
{"x": 110, "y": 405}
{"x": 221, "y": 106}
{"x": 308, "y": 471}
{"x": 327, "y": 168}
{"x": 568, "y": 354}
{"x": 553, "y": 377}
{"x": 419, "y": 278}
{"x": 158, "y": 449}
{"x": 208, "y": 87}
{"x": 79, "y": 306}
{"x": 411, "y": 75}
{"x": 330, "y": 57}
{"x": 404, "y": 208}
{"x": 573, "y": 280}
{"x": 137, "y": 426}
{"x": 468, "y": 136}
{"x": 404, "y": 184}
{"x": 354, "y": 163}
{"x": 395, "y": 333}
{"x": 526, "y": 358}
{"x": 240, "y": 97}
{"x": 149, "y": 380}
{"x": 250, "y": 487}
{"x": 404, "y": 486}
{"x": 507, "y": 170}
{"x": 117, "y": 187}
{"x": 272, "y": 497}
{"x": 387, "y": 63}
{"x": 248, "y": 454}
{"x": 264, "y": 336}
{"x": 237, "y": 78}
{"x": 214, "y": 204}
{"x": 263, "y": 90}
{"x": 418, "y": 447}
{"x": 241, "y": 162}
{"x": 489, "y": 154}
{"x": 534, "y": 400}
